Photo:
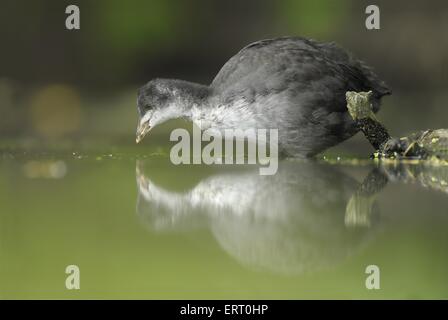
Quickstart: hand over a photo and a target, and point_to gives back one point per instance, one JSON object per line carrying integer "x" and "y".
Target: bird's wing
{"x": 267, "y": 65}
{"x": 358, "y": 75}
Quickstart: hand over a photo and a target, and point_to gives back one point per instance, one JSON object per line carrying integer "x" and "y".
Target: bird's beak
{"x": 142, "y": 129}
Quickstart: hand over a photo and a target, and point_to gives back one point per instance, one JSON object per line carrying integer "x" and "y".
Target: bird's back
{"x": 261, "y": 62}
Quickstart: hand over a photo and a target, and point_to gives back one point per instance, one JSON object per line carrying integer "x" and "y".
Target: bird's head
{"x": 156, "y": 103}
{"x": 161, "y": 100}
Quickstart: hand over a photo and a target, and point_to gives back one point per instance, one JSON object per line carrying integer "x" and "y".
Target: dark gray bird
{"x": 291, "y": 84}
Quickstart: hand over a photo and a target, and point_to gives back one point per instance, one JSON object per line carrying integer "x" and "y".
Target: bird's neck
{"x": 190, "y": 97}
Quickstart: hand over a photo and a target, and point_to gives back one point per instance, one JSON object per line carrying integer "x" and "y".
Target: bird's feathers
{"x": 310, "y": 80}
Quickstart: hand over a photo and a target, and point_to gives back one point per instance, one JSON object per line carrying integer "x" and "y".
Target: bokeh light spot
{"x": 55, "y": 111}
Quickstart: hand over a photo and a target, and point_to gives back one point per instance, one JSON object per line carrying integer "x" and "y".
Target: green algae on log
{"x": 428, "y": 144}
{"x": 359, "y": 105}
{"x": 432, "y": 143}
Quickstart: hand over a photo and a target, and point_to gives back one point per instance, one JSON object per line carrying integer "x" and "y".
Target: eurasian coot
{"x": 292, "y": 84}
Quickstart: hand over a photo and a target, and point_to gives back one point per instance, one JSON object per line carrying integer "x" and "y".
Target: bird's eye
{"x": 162, "y": 98}
{"x": 143, "y": 108}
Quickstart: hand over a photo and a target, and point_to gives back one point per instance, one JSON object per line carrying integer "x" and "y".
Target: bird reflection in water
{"x": 307, "y": 217}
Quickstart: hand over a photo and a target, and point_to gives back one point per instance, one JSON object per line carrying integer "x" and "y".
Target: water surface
{"x": 139, "y": 227}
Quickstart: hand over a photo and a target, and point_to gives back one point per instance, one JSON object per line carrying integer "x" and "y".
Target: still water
{"x": 140, "y": 227}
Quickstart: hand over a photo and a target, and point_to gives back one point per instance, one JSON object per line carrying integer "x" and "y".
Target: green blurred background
{"x": 58, "y": 84}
